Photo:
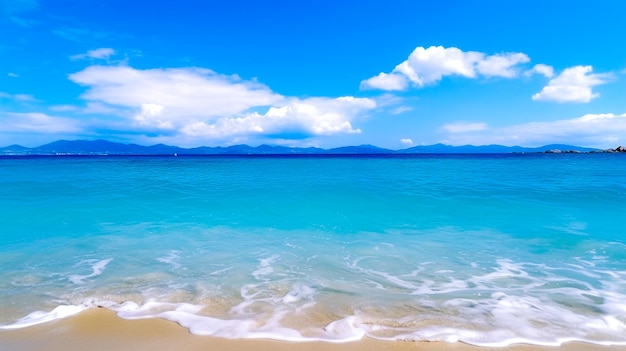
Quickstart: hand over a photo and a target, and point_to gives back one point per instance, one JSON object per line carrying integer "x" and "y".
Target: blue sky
{"x": 324, "y": 73}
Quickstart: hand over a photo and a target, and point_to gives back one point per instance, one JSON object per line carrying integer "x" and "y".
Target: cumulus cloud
{"x": 313, "y": 116}
{"x": 202, "y": 104}
{"x": 407, "y": 142}
{"x": 384, "y": 81}
{"x": 100, "y": 54}
{"x": 429, "y": 65}
{"x": 594, "y": 130}
{"x": 572, "y": 85}
{"x": 36, "y": 123}
{"x": 151, "y": 115}
{"x": 185, "y": 94}
{"x": 501, "y": 65}
{"x": 545, "y": 70}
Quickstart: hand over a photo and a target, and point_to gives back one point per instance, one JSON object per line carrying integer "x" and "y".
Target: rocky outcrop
{"x": 617, "y": 149}
{"x": 558, "y": 151}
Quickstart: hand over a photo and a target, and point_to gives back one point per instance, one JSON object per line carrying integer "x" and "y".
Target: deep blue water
{"x": 484, "y": 249}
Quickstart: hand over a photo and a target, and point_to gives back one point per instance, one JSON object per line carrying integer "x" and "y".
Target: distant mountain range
{"x": 103, "y": 147}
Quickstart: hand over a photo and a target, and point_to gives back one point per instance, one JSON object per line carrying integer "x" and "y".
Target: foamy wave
{"x": 97, "y": 267}
{"x": 505, "y": 303}
{"x": 352, "y": 327}
{"x": 187, "y": 316}
{"x": 40, "y": 317}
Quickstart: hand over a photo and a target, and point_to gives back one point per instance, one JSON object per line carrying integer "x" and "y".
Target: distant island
{"x": 103, "y": 147}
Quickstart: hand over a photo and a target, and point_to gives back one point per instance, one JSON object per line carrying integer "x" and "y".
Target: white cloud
{"x": 13, "y": 75}
{"x": 407, "y": 142}
{"x": 384, "y": 81}
{"x": 425, "y": 66}
{"x": 464, "y": 127}
{"x": 593, "y": 130}
{"x": 501, "y": 65}
{"x": 100, "y": 54}
{"x": 545, "y": 70}
{"x": 313, "y": 116}
{"x": 572, "y": 85}
{"x": 186, "y": 94}
{"x": 429, "y": 65}
{"x": 36, "y": 123}
{"x": 151, "y": 115}
{"x": 201, "y": 104}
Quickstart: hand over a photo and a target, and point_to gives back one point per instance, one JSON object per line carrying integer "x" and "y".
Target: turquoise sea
{"x": 483, "y": 249}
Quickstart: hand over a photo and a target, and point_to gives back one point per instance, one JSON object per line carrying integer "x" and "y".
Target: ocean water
{"x": 484, "y": 249}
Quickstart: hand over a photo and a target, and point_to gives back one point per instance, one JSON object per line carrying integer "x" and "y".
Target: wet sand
{"x": 101, "y": 329}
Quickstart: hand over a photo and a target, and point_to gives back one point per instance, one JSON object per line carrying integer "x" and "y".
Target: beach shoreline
{"x": 101, "y": 329}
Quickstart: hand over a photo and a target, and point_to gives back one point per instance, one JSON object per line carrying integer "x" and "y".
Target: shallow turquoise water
{"x": 484, "y": 249}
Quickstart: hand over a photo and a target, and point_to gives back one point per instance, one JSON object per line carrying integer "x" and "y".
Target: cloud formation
{"x": 593, "y": 130}
{"x": 313, "y": 116}
{"x": 99, "y": 54}
{"x": 429, "y": 65}
{"x": 202, "y": 104}
{"x": 572, "y": 85}
{"x": 384, "y": 81}
{"x": 406, "y": 142}
{"x": 545, "y": 70}
{"x": 185, "y": 94}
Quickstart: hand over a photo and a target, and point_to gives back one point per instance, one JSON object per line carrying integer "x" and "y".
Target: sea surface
{"x": 488, "y": 250}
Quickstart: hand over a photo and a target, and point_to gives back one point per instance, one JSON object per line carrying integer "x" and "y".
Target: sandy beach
{"x": 101, "y": 329}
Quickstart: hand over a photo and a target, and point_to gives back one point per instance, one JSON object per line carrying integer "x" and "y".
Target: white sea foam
{"x": 237, "y": 328}
{"x": 172, "y": 259}
{"x": 40, "y": 317}
{"x": 265, "y": 267}
{"x": 495, "y": 304}
{"x": 497, "y": 321}
{"x": 298, "y": 293}
{"x": 97, "y": 267}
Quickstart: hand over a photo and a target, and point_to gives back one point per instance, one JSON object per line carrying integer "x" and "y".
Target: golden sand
{"x": 101, "y": 329}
